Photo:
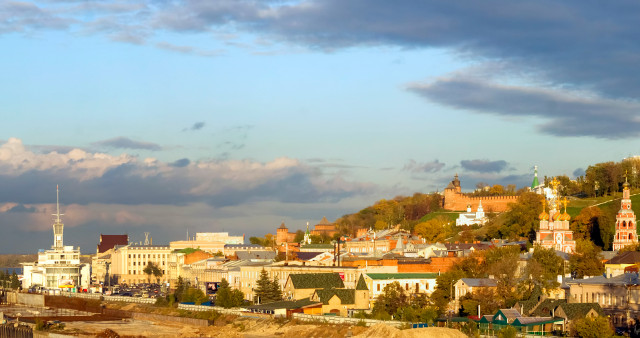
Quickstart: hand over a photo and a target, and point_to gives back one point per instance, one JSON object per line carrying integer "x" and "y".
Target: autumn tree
{"x": 392, "y": 298}
{"x": 586, "y": 260}
{"x": 522, "y": 217}
{"x": 502, "y": 263}
{"x": 543, "y": 268}
{"x": 588, "y": 327}
{"x": 433, "y": 230}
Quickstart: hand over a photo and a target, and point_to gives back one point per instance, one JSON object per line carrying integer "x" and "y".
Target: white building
{"x": 472, "y": 218}
{"x": 58, "y": 268}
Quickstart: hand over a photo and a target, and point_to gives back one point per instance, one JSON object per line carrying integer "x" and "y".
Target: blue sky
{"x": 237, "y": 115}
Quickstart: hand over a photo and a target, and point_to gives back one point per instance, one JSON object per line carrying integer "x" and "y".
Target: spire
{"x": 535, "y": 182}
{"x": 58, "y": 214}
{"x": 58, "y": 227}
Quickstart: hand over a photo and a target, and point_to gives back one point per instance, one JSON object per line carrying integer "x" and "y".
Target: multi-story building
{"x": 625, "y": 222}
{"x": 212, "y": 242}
{"x": 128, "y": 262}
{"x": 619, "y": 296}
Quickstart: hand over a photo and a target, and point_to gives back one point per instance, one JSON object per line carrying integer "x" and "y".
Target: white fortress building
{"x": 60, "y": 267}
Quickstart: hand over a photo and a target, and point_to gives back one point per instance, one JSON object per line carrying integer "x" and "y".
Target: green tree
{"x": 588, "y": 327}
{"x": 275, "y": 294}
{"x": 502, "y": 263}
{"x": 228, "y": 298}
{"x": 299, "y": 236}
{"x": 15, "y": 282}
{"x": 543, "y": 268}
{"x": 391, "y": 299}
{"x": 264, "y": 287}
{"x": 180, "y": 288}
{"x": 433, "y": 230}
{"x": 586, "y": 260}
{"x": 522, "y": 217}
{"x": 194, "y": 295}
{"x": 152, "y": 269}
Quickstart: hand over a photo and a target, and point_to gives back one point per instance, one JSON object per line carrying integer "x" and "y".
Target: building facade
{"x": 128, "y": 262}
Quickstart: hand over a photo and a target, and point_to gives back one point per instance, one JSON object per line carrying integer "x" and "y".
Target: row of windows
{"x": 135, "y": 272}
{"x": 148, "y": 256}
{"x": 601, "y": 298}
{"x": 145, "y": 263}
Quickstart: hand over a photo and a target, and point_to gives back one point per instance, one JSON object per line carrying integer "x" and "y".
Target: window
{"x": 378, "y": 287}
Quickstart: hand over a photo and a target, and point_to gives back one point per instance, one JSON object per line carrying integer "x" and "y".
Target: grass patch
{"x": 451, "y": 215}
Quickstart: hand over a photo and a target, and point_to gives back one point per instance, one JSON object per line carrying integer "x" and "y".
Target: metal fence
{"x": 232, "y": 311}
{"x": 11, "y": 331}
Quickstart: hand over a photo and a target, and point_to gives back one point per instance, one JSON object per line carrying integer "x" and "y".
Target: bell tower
{"x": 625, "y": 221}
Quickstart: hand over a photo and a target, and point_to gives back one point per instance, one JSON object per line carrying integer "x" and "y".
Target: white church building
{"x": 472, "y": 218}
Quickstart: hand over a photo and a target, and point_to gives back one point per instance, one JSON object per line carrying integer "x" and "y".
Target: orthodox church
{"x": 625, "y": 221}
{"x": 472, "y": 218}
{"x": 554, "y": 232}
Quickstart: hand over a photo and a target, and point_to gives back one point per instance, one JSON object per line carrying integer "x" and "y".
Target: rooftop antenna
{"x": 146, "y": 238}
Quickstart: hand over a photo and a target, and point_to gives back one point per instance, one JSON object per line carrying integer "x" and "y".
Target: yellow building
{"x": 128, "y": 262}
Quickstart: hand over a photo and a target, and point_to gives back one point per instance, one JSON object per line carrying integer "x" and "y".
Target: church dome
{"x": 564, "y": 216}
{"x": 544, "y": 216}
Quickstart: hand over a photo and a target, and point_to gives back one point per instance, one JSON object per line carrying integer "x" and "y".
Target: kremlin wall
{"x": 455, "y": 200}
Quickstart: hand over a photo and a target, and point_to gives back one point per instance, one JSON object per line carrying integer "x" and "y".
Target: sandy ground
{"x": 249, "y": 328}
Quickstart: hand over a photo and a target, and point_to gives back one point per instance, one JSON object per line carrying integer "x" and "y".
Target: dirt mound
{"x": 385, "y": 331}
{"x": 108, "y": 333}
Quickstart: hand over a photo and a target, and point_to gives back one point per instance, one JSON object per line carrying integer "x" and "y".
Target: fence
{"x": 233, "y": 311}
{"x": 11, "y": 331}
{"x": 138, "y": 300}
{"x": 345, "y": 320}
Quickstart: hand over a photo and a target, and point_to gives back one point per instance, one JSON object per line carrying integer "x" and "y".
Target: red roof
{"x": 109, "y": 241}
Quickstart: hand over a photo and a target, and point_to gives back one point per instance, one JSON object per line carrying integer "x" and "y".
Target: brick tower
{"x": 625, "y": 221}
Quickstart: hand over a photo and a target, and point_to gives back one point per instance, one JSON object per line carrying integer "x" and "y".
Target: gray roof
{"x": 255, "y": 254}
{"x": 624, "y": 279}
{"x": 474, "y": 282}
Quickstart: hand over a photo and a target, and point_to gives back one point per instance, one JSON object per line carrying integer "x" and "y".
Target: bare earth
{"x": 251, "y": 328}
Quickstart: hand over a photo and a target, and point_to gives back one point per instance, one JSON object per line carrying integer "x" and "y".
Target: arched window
{"x": 624, "y": 224}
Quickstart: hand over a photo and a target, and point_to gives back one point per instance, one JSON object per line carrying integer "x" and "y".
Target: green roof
{"x": 580, "y": 310}
{"x": 362, "y": 285}
{"x": 317, "y": 246}
{"x": 316, "y": 280}
{"x": 384, "y": 276}
{"x": 546, "y": 307}
{"x": 347, "y": 296}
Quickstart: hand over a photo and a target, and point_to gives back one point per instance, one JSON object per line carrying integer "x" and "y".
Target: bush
{"x": 508, "y": 332}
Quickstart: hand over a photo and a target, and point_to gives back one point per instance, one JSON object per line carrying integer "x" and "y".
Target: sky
{"x": 178, "y": 116}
